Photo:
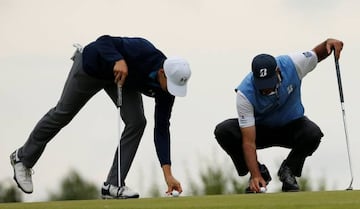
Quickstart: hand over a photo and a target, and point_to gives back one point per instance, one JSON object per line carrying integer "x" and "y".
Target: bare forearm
{"x": 167, "y": 171}
{"x": 249, "y": 148}
{"x": 251, "y": 159}
{"x": 321, "y": 51}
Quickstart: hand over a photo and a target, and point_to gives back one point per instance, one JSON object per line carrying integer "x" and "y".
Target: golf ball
{"x": 175, "y": 193}
{"x": 262, "y": 189}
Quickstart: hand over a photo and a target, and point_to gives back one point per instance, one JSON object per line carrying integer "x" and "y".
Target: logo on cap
{"x": 263, "y": 73}
{"x": 183, "y": 80}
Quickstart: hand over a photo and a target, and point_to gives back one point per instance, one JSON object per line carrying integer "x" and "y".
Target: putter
{"x": 118, "y": 104}
{"x": 344, "y": 121}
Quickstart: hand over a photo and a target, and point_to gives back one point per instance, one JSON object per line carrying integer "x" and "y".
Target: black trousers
{"x": 302, "y": 136}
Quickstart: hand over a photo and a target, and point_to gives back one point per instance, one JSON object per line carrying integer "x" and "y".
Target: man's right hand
{"x": 120, "y": 72}
{"x": 256, "y": 183}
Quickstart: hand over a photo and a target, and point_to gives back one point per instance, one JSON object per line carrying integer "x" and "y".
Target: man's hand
{"x": 256, "y": 183}
{"x": 120, "y": 72}
{"x": 324, "y": 49}
{"x": 334, "y": 44}
{"x": 171, "y": 182}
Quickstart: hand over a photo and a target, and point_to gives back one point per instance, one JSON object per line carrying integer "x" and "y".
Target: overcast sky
{"x": 219, "y": 38}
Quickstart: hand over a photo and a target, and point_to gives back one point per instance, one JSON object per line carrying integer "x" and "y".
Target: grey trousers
{"x": 78, "y": 89}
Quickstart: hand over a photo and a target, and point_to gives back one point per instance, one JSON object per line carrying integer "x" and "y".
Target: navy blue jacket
{"x": 143, "y": 61}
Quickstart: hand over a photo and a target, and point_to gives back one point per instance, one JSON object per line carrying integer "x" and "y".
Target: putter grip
{"x": 338, "y": 75}
{"x": 119, "y": 96}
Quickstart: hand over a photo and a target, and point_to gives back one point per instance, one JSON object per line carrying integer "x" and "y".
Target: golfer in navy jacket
{"x": 140, "y": 68}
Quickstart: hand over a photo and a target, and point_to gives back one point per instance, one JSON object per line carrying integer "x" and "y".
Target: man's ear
{"x": 162, "y": 72}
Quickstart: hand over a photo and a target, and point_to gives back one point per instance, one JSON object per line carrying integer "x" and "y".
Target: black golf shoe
{"x": 288, "y": 179}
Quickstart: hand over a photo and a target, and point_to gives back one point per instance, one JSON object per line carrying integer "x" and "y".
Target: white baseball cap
{"x": 177, "y": 71}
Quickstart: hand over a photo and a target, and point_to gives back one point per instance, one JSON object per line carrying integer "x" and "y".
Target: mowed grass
{"x": 306, "y": 200}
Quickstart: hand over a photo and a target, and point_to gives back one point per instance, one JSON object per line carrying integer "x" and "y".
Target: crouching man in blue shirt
{"x": 139, "y": 68}
{"x": 270, "y": 113}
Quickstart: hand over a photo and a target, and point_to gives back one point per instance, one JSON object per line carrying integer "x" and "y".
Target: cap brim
{"x": 265, "y": 83}
{"x": 176, "y": 90}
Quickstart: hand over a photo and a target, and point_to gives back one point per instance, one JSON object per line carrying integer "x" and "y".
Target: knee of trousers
{"x": 220, "y": 132}
{"x": 139, "y": 123}
{"x": 227, "y": 131}
{"x": 311, "y": 140}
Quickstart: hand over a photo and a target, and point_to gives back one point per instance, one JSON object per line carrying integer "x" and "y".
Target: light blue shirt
{"x": 280, "y": 108}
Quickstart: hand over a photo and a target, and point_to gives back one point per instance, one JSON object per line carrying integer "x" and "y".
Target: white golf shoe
{"x": 109, "y": 191}
{"x": 22, "y": 174}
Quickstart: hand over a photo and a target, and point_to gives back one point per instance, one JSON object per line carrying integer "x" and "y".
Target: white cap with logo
{"x": 177, "y": 71}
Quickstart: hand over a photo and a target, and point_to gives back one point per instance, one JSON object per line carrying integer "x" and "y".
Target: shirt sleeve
{"x": 304, "y": 62}
{"x": 163, "y": 107}
{"x": 245, "y": 110}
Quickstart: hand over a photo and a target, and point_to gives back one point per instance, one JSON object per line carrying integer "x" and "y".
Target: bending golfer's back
{"x": 140, "y": 68}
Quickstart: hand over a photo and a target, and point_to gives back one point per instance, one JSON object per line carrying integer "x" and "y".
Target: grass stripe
{"x": 299, "y": 200}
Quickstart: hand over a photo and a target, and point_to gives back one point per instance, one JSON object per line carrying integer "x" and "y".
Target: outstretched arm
{"x": 324, "y": 49}
{"x": 249, "y": 147}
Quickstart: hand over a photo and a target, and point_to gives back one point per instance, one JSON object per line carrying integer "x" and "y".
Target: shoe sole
{"x": 291, "y": 190}
{"x": 108, "y": 197}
